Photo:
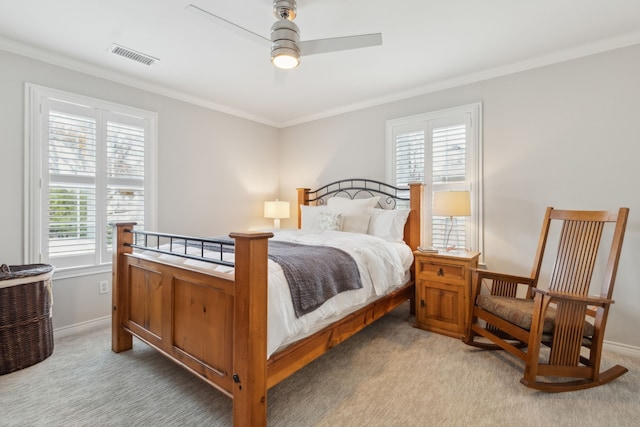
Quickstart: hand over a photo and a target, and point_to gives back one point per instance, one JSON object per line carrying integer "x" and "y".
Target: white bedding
{"x": 384, "y": 266}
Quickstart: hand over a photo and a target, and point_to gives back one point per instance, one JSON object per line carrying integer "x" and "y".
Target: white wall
{"x": 566, "y": 135}
{"x": 214, "y": 171}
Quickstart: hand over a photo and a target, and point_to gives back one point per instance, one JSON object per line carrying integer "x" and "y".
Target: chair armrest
{"x": 494, "y": 275}
{"x": 509, "y": 281}
{"x": 587, "y": 300}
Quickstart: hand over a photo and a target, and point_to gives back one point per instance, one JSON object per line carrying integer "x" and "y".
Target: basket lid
{"x": 8, "y": 272}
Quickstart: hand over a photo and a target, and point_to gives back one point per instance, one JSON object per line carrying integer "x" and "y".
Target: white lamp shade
{"x": 451, "y": 203}
{"x": 276, "y": 209}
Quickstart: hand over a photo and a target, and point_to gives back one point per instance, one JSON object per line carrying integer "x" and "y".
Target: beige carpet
{"x": 390, "y": 374}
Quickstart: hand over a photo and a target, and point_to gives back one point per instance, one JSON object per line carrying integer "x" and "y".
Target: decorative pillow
{"x": 388, "y": 224}
{"x": 344, "y": 204}
{"x": 310, "y": 216}
{"x": 355, "y": 223}
{"x": 330, "y": 221}
{"x": 354, "y": 212}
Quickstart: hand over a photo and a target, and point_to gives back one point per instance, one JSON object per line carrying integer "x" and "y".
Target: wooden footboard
{"x": 180, "y": 313}
{"x": 215, "y": 325}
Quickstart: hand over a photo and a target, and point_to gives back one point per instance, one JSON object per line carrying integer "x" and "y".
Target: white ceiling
{"x": 427, "y": 45}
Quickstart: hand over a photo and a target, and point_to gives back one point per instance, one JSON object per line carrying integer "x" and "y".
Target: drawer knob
{"x": 440, "y": 272}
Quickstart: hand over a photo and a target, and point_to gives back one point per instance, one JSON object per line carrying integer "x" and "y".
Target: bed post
{"x": 121, "y": 340}
{"x": 250, "y": 329}
{"x": 412, "y": 232}
{"x": 303, "y": 199}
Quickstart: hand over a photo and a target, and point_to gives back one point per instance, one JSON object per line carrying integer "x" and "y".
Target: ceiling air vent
{"x": 132, "y": 54}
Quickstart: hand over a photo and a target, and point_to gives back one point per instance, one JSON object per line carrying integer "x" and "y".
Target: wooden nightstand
{"x": 443, "y": 285}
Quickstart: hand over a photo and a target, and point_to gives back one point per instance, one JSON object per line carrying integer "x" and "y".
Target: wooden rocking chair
{"x": 520, "y": 318}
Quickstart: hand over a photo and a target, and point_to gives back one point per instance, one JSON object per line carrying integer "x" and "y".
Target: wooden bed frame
{"x": 216, "y": 327}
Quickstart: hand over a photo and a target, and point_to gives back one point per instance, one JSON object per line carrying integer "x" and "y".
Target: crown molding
{"x": 86, "y": 68}
{"x": 565, "y": 55}
{"x": 589, "y": 49}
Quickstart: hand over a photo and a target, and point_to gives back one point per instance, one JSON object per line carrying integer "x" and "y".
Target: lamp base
{"x": 448, "y": 248}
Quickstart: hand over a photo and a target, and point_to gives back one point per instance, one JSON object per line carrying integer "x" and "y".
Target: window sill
{"x": 69, "y": 272}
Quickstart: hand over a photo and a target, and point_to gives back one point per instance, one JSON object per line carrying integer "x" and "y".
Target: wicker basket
{"x": 26, "y": 332}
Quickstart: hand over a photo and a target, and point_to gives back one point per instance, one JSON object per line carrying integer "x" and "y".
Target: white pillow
{"x": 310, "y": 216}
{"x": 330, "y": 221}
{"x": 355, "y": 222}
{"x": 354, "y": 212}
{"x": 344, "y": 204}
{"x": 388, "y": 223}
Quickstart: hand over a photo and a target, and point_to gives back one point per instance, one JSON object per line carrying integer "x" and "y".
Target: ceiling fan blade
{"x": 312, "y": 47}
{"x": 230, "y": 26}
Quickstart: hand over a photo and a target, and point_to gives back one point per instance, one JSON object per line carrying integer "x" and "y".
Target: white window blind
{"x": 449, "y": 166}
{"x": 72, "y": 180}
{"x": 449, "y": 154}
{"x": 90, "y": 164}
{"x": 441, "y": 150}
{"x": 409, "y": 153}
{"x": 125, "y": 175}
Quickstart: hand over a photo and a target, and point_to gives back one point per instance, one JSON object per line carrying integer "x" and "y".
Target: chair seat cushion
{"x": 519, "y": 311}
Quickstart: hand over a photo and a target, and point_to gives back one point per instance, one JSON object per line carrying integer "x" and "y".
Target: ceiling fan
{"x": 286, "y": 47}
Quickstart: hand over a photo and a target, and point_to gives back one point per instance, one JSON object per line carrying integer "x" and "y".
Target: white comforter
{"x": 383, "y": 267}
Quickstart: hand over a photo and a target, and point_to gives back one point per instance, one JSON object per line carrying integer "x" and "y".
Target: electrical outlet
{"x": 104, "y": 287}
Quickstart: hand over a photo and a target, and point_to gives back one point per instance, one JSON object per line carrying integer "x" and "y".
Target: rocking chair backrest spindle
{"x": 573, "y": 269}
{"x": 578, "y": 245}
{"x": 575, "y": 260}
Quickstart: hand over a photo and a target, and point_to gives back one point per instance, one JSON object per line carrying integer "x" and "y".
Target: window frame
{"x": 36, "y": 176}
{"x": 473, "y": 183}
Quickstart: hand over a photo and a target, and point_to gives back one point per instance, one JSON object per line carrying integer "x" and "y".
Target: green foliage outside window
{"x": 69, "y": 214}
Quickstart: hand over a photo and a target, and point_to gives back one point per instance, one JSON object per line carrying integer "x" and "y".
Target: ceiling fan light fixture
{"x": 285, "y": 58}
{"x": 285, "y": 53}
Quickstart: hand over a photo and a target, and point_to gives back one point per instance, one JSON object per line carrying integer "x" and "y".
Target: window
{"x": 90, "y": 163}
{"x": 443, "y": 150}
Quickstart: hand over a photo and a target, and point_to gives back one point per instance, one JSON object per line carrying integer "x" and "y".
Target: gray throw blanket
{"x": 314, "y": 273}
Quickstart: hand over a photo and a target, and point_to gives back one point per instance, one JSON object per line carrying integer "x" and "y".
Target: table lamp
{"x": 276, "y": 210}
{"x": 451, "y": 204}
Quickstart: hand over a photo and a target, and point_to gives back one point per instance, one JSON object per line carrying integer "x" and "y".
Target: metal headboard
{"x": 360, "y": 188}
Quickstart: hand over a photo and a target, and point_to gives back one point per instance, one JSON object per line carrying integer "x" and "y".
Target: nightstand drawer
{"x": 430, "y": 270}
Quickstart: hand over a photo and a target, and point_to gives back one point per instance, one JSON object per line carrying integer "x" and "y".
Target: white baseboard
{"x": 627, "y": 350}
{"x": 81, "y": 327}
